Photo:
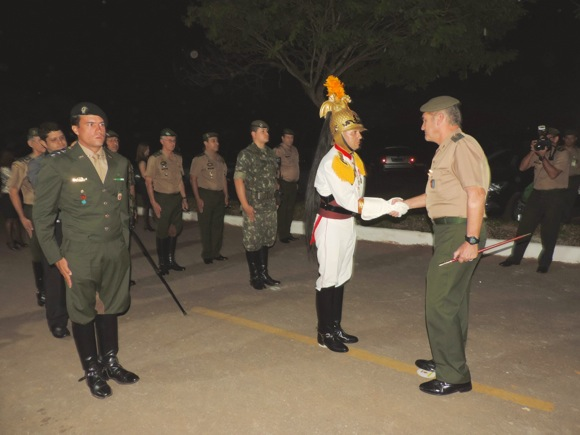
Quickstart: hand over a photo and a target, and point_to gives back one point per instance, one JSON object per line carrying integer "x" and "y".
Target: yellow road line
{"x": 384, "y": 361}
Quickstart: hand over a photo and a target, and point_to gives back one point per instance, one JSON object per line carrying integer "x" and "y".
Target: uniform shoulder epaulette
{"x": 157, "y": 154}
{"x": 457, "y": 137}
{"x": 57, "y": 153}
{"x": 344, "y": 170}
{"x": 25, "y": 159}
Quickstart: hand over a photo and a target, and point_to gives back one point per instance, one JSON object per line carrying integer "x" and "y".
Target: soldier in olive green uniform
{"x": 18, "y": 183}
{"x": 164, "y": 178}
{"x": 208, "y": 181}
{"x": 455, "y": 200}
{"x": 87, "y": 188}
{"x": 255, "y": 181}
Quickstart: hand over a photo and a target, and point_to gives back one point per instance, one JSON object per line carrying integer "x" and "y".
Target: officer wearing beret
{"x": 255, "y": 182}
{"x": 288, "y": 179}
{"x": 164, "y": 178}
{"x": 18, "y": 185}
{"x": 208, "y": 181}
{"x": 455, "y": 199}
{"x": 87, "y": 187}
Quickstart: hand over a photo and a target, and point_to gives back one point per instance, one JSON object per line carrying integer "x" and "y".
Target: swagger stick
{"x": 156, "y": 269}
{"x": 487, "y": 248}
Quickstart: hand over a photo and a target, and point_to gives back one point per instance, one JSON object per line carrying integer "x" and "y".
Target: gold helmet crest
{"x": 342, "y": 117}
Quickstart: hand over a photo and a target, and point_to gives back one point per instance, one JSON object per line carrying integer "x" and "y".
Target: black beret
{"x": 86, "y": 108}
{"x": 209, "y": 135}
{"x": 287, "y": 131}
{"x": 258, "y": 124}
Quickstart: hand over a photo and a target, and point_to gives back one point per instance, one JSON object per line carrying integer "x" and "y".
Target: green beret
{"x": 209, "y": 135}
{"x": 439, "y": 103}
{"x": 287, "y": 131}
{"x": 553, "y": 131}
{"x": 258, "y": 124}
{"x": 32, "y": 132}
{"x": 111, "y": 133}
{"x": 86, "y": 108}
{"x": 167, "y": 132}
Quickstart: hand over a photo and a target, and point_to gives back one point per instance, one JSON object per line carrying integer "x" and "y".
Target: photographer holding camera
{"x": 546, "y": 203}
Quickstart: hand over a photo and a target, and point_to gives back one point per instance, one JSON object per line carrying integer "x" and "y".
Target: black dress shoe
{"x": 331, "y": 342}
{"x": 509, "y": 262}
{"x": 207, "y": 260}
{"x": 285, "y": 240}
{"x": 96, "y": 382}
{"x": 428, "y": 365}
{"x": 220, "y": 258}
{"x": 60, "y": 332}
{"x": 542, "y": 269}
{"x": 440, "y": 388}
{"x": 113, "y": 370}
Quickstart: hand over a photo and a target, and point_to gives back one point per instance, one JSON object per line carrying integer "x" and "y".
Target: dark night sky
{"x": 121, "y": 54}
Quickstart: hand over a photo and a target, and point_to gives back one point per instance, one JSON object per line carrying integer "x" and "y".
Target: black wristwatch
{"x": 472, "y": 240}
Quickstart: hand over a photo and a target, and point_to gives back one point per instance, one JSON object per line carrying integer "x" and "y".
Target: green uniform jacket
{"x": 90, "y": 210}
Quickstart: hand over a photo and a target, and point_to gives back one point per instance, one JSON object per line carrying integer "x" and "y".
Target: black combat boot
{"x": 337, "y": 297}
{"x": 172, "y": 264}
{"x": 263, "y": 267}
{"x": 85, "y": 341}
{"x": 326, "y": 334}
{"x": 255, "y": 278}
{"x": 108, "y": 335}
{"x": 39, "y": 281}
{"x": 162, "y": 246}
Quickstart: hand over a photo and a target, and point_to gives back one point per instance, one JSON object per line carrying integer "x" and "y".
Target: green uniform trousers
{"x": 286, "y": 208}
{"x": 171, "y": 214}
{"x": 447, "y": 303}
{"x": 261, "y": 232}
{"x": 34, "y": 246}
{"x": 211, "y": 222}
{"x": 101, "y": 266}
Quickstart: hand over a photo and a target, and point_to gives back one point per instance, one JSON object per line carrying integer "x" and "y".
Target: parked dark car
{"x": 400, "y": 157}
{"x": 508, "y": 183}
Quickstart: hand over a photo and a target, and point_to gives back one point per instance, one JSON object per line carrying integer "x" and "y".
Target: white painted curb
{"x": 565, "y": 254}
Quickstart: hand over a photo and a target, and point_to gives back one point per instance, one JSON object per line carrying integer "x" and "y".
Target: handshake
{"x": 376, "y": 207}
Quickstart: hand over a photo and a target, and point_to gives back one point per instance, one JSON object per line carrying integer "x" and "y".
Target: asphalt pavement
{"x": 246, "y": 362}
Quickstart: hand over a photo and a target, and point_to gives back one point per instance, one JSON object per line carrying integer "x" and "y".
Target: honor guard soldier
{"x": 208, "y": 181}
{"x": 164, "y": 178}
{"x": 88, "y": 186}
{"x": 18, "y": 185}
{"x": 455, "y": 199}
{"x": 255, "y": 181}
{"x": 288, "y": 180}
{"x": 334, "y": 196}
{"x": 54, "y": 142}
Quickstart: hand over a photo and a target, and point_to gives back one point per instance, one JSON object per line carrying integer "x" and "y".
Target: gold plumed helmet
{"x": 342, "y": 117}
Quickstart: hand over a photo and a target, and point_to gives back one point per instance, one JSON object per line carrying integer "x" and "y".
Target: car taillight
{"x": 411, "y": 159}
{"x": 384, "y": 160}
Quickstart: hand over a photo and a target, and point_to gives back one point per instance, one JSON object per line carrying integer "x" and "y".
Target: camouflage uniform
{"x": 257, "y": 167}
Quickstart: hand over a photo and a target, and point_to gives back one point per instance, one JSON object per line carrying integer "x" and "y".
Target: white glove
{"x": 375, "y": 207}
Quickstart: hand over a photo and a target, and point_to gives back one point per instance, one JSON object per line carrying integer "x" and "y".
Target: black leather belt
{"x": 325, "y": 204}
{"x": 449, "y": 220}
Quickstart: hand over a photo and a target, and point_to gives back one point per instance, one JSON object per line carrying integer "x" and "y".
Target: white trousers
{"x": 335, "y": 242}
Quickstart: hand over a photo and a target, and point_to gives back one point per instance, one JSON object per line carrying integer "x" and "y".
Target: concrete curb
{"x": 565, "y": 254}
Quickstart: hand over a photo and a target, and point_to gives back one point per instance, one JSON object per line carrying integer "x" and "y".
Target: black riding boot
{"x": 172, "y": 264}
{"x": 162, "y": 245}
{"x": 39, "y": 281}
{"x": 86, "y": 343}
{"x": 263, "y": 267}
{"x": 107, "y": 333}
{"x": 253, "y": 264}
{"x": 326, "y": 334}
{"x": 337, "y": 298}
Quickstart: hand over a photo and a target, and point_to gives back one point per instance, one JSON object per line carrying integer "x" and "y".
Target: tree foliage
{"x": 394, "y": 42}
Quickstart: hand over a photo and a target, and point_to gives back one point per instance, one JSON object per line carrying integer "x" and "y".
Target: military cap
{"x": 167, "y": 132}
{"x": 209, "y": 135}
{"x": 111, "y": 133}
{"x": 439, "y": 103}
{"x": 258, "y": 124}
{"x": 553, "y": 131}
{"x": 287, "y": 131}
{"x": 33, "y": 132}
{"x": 86, "y": 108}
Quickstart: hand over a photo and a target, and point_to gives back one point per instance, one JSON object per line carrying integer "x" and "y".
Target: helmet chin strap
{"x": 346, "y": 144}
